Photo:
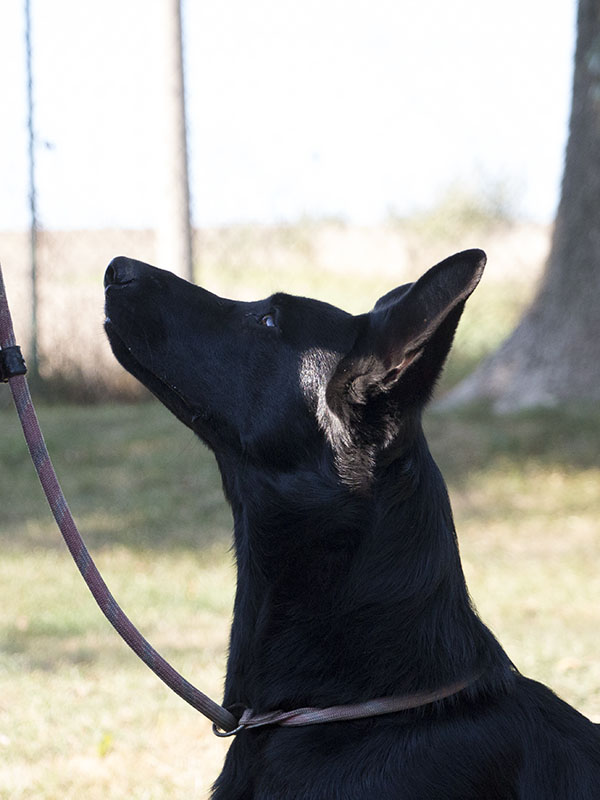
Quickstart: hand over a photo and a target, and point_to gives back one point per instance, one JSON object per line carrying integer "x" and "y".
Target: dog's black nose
{"x": 120, "y": 271}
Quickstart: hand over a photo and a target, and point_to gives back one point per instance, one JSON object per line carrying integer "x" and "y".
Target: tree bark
{"x": 553, "y": 356}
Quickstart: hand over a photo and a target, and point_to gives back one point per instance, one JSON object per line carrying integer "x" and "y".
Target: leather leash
{"x": 12, "y": 371}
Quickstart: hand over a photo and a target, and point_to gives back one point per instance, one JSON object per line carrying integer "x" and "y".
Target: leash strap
{"x": 12, "y": 370}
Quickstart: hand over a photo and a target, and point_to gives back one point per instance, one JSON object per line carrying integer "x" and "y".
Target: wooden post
{"x": 174, "y": 229}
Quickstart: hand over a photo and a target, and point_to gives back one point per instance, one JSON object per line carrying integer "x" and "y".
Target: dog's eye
{"x": 268, "y": 320}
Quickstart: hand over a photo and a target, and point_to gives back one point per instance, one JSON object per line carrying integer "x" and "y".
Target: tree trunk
{"x": 553, "y": 356}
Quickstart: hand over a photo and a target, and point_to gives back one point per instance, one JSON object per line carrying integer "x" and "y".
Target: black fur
{"x": 350, "y": 585}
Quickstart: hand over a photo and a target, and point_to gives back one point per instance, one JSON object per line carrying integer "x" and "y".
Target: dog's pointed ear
{"x": 408, "y": 335}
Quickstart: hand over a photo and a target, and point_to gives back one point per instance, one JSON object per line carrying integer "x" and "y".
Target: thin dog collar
{"x": 371, "y": 708}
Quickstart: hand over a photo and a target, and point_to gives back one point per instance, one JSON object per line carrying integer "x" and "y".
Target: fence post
{"x": 33, "y": 360}
{"x": 175, "y": 234}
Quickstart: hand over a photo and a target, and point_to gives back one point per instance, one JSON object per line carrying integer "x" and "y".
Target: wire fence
{"x": 96, "y": 162}
{"x": 106, "y": 163}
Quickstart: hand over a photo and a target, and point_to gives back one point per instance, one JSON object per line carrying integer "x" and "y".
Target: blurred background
{"x": 323, "y": 140}
{"x": 322, "y": 148}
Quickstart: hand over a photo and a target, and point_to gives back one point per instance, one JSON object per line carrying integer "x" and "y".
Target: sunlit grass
{"x": 81, "y": 716}
{"x": 526, "y": 497}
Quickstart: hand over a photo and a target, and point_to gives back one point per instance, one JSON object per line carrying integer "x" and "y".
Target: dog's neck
{"x": 370, "y": 582}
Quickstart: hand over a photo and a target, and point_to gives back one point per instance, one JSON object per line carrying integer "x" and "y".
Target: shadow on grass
{"x": 132, "y": 475}
{"x": 48, "y": 653}
{"x": 474, "y": 439}
{"x": 135, "y": 477}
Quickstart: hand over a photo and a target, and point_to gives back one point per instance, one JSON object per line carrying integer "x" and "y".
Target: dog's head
{"x": 278, "y": 379}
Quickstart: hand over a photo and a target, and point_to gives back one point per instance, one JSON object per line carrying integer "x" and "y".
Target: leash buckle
{"x": 11, "y": 363}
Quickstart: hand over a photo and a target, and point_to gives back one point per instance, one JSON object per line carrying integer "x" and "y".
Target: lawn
{"x": 81, "y": 716}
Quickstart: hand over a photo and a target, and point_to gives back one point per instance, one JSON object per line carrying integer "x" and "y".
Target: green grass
{"x": 526, "y": 496}
{"x": 80, "y": 716}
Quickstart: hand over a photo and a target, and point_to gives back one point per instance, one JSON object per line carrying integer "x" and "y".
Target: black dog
{"x": 350, "y": 585}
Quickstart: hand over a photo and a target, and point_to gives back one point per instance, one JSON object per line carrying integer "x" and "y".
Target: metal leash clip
{"x": 223, "y": 734}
